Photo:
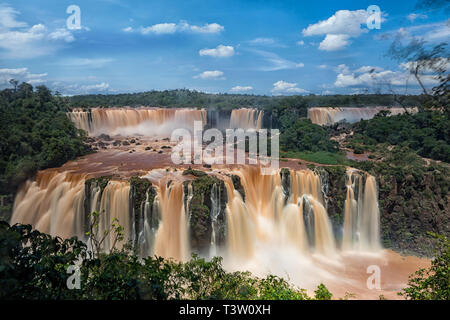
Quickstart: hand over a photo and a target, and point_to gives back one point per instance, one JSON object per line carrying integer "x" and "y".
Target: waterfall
{"x": 361, "y": 213}
{"x": 265, "y": 216}
{"x": 285, "y": 209}
{"x": 171, "y": 240}
{"x": 246, "y": 118}
{"x": 130, "y": 121}
{"x": 328, "y": 116}
{"x": 56, "y": 204}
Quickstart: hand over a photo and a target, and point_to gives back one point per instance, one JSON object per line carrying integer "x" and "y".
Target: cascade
{"x": 286, "y": 208}
{"x": 130, "y": 121}
{"x": 361, "y": 213}
{"x": 246, "y": 118}
{"x": 328, "y": 116}
{"x": 171, "y": 239}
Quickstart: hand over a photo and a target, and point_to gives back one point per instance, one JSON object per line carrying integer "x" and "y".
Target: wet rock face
{"x": 238, "y": 185}
{"x": 335, "y": 191}
{"x": 89, "y": 185}
{"x": 286, "y": 183}
{"x": 411, "y": 207}
{"x": 141, "y": 193}
{"x": 202, "y": 204}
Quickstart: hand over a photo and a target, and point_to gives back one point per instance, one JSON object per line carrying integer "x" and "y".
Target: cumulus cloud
{"x": 333, "y": 42}
{"x": 338, "y": 29}
{"x": 18, "y": 40}
{"x": 20, "y": 74}
{"x": 210, "y": 75}
{"x": 368, "y": 76}
{"x": 241, "y": 88}
{"x": 301, "y": 42}
{"x": 221, "y": 51}
{"x": 281, "y": 86}
{"x": 171, "y": 28}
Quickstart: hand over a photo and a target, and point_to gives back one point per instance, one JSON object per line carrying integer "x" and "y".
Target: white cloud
{"x": 365, "y": 69}
{"x": 432, "y": 32}
{"x": 208, "y": 28}
{"x": 17, "y": 40}
{"x": 323, "y": 66}
{"x": 368, "y": 76}
{"x": 342, "y": 68}
{"x": 301, "y": 42}
{"x": 221, "y": 51}
{"x": 8, "y": 18}
{"x": 212, "y": 75}
{"x": 160, "y": 28}
{"x": 182, "y": 26}
{"x": 20, "y": 74}
{"x": 73, "y": 89}
{"x": 281, "y": 86}
{"x": 338, "y": 29}
{"x": 413, "y": 16}
{"x": 241, "y": 88}
{"x": 333, "y": 42}
{"x": 61, "y": 34}
{"x": 96, "y": 87}
{"x": 342, "y": 22}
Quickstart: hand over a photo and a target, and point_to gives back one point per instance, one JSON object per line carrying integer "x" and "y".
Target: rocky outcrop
{"x": 206, "y": 203}
{"x": 286, "y": 183}
{"x": 90, "y": 187}
{"x": 413, "y": 205}
{"x": 335, "y": 191}
{"x": 142, "y": 196}
{"x": 238, "y": 185}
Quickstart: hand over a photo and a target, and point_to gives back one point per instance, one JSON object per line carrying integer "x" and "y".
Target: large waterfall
{"x": 286, "y": 208}
{"x": 327, "y": 116}
{"x": 293, "y": 215}
{"x": 129, "y": 121}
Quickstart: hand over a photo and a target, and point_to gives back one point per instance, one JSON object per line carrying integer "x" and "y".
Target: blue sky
{"x": 258, "y": 47}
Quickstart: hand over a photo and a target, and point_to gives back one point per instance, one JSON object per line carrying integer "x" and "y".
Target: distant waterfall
{"x": 246, "y": 118}
{"x": 328, "y": 116}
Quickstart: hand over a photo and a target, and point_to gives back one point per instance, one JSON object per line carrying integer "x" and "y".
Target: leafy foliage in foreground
{"x": 33, "y": 265}
{"x": 432, "y": 283}
{"x": 35, "y": 133}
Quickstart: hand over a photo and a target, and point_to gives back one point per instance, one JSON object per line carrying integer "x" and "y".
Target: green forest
{"x": 193, "y": 99}
{"x": 35, "y": 134}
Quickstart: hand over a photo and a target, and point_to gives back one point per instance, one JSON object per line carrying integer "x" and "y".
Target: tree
{"x": 14, "y": 83}
{"x": 432, "y": 283}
